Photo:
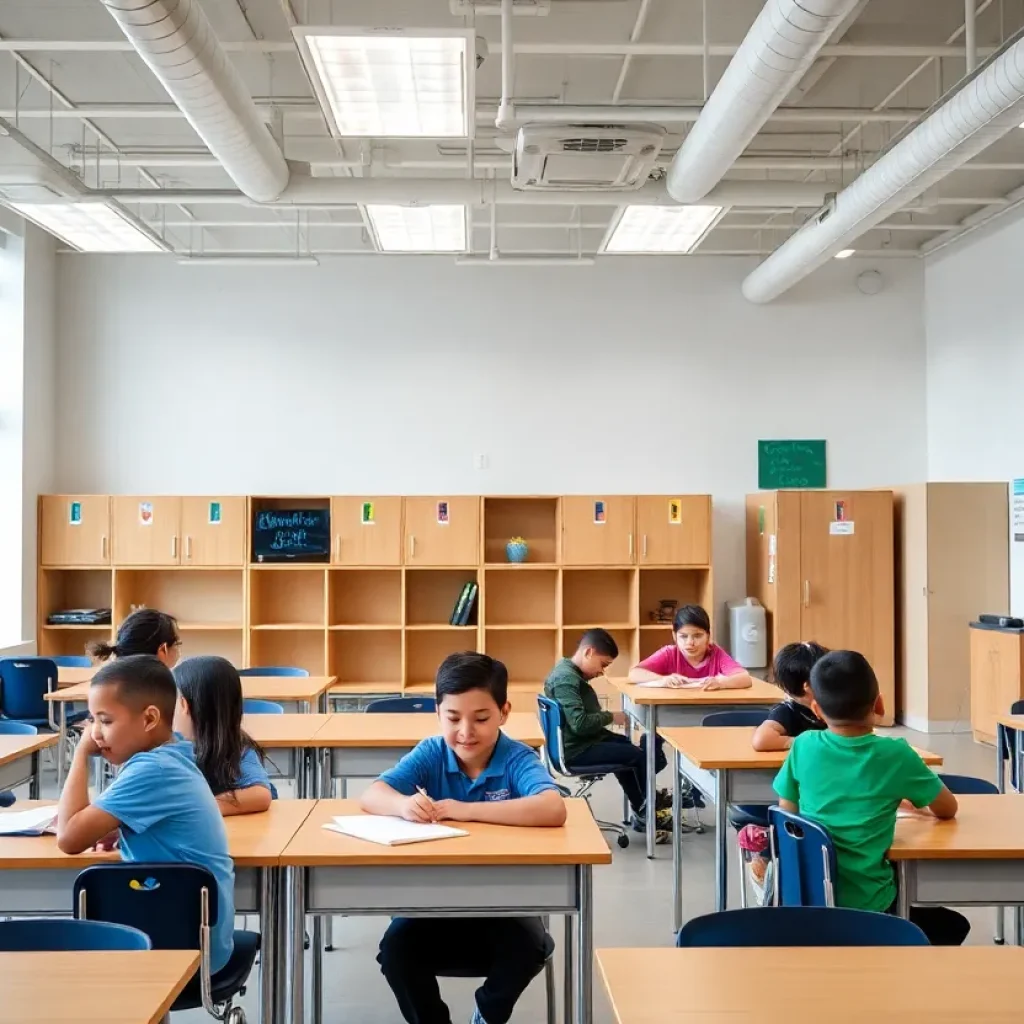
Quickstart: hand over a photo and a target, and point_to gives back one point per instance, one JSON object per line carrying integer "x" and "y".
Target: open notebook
{"x": 657, "y": 684}
{"x": 34, "y": 822}
{"x": 375, "y": 828}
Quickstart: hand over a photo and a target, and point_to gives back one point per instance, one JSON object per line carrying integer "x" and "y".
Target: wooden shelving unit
{"x": 376, "y": 614}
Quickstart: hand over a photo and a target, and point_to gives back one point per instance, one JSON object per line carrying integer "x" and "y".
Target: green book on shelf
{"x": 467, "y": 610}
{"x": 459, "y": 605}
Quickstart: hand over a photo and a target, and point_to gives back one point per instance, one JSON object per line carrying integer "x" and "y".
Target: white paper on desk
{"x": 657, "y": 684}
{"x": 386, "y": 831}
{"x": 34, "y": 822}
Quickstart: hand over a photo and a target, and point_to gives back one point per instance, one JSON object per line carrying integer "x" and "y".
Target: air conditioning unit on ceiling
{"x": 564, "y": 157}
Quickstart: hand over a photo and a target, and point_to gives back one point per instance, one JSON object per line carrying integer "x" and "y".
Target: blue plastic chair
{"x": 800, "y": 926}
{"x": 55, "y": 935}
{"x": 804, "y": 859}
{"x": 24, "y": 683}
{"x": 175, "y": 905}
{"x": 261, "y": 707}
{"x": 13, "y": 729}
{"x": 71, "y": 660}
{"x": 968, "y": 785}
{"x": 273, "y": 670}
{"x": 398, "y": 705}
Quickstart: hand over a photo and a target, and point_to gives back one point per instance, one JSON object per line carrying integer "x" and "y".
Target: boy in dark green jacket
{"x": 586, "y": 738}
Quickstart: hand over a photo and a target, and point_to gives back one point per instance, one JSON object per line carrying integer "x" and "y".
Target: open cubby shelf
{"x": 599, "y": 596}
{"x": 533, "y": 519}
{"x": 519, "y": 599}
{"x": 373, "y": 657}
{"x": 364, "y": 597}
{"x": 213, "y": 597}
{"x": 431, "y": 596}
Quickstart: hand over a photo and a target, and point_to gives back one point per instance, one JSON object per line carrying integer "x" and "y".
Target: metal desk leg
{"x": 652, "y": 778}
{"x": 567, "y": 965}
{"x": 999, "y": 933}
{"x": 62, "y": 728}
{"x": 903, "y": 901}
{"x": 291, "y": 992}
{"x": 677, "y": 845}
{"x": 721, "y": 840}
{"x": 585, "y": 947}
{"x": 34, "y": 782}
{"x": 627, "y": 811}
{"x": 317, "y": 986}
{"x": 269, "y": 937}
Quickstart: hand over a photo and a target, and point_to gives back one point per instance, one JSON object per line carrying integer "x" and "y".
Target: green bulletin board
{"x": 782, "y": 464}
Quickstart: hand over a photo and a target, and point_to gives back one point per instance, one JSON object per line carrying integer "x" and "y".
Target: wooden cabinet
{"x": 366, "y": 531}
{"x": 997, "y": 661}
{"x": 146, "y": 530}
{"x": 674, "y": 530}
{"x": 74, "y": 529}
{"x": 599, "y": 530}
{"x": 442, "y": 531}
{"x": 821, "y": 562}
{"x": 213, "y": 531}
{"x": 952, "y": 563}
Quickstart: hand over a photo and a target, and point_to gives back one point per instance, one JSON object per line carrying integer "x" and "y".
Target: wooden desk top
{"x": 1012, "y": 721}
{"x": 286, "y": 688}
{"x": 13, "y": 747}
{"x": 849, "y": 986}
{"x": 759, "y": 694}
{"x": 985, "y": 828}
{"x": 406, "y": 730}
{"x": 287, "y": 730}
{"x": 254, "y": 840}
{"x": 578, "y": 841}
{"x": 93, "y": 988}
{"x": 729, "y": 747}
{"x": 67, "y": 676}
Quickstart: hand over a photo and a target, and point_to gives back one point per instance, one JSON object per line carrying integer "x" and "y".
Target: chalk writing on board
{"x": 791, "y": 463}
{"x": 287, "y": 521}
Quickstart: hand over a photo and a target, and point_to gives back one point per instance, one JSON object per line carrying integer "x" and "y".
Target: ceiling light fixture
{"x": 90, "y": 227}
{"x": 247, "y": 259}
{"x": 431, "y": 228}
{"x": 392, "y": 83}
{"x": 660, "y": 229}
{"x": 844, "y": 254}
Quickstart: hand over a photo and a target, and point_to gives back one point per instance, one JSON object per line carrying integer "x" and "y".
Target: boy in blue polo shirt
{"x": 160, "y": 800}
{"x": 472, "y": 772}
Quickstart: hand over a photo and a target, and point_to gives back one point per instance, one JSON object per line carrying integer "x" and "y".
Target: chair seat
{"x": 229, "y": 979}
{"x": 39, "y": 723}
{"x": 748, "y": 814}
{"x": 481, "y": 968}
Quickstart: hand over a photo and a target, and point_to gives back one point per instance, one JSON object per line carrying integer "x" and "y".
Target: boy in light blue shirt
{"x": 160, "y": 800}
{"x": 471, "y": 772}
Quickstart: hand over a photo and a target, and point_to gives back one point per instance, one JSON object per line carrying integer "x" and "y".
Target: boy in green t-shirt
{"x": 851, "y": 782}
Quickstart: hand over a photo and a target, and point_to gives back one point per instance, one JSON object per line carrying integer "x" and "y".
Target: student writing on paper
{"x": 471, "y": 772}
{"x": 691, "y": 656}
{"x": 851, "y": 782}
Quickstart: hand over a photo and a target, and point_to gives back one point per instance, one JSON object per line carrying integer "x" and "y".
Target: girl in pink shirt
{"x": 692, "y": 656}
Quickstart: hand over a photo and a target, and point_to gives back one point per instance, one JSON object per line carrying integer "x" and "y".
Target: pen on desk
{"x": 423, "y": 792}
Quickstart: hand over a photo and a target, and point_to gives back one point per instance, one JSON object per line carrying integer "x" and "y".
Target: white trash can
{"x": 748, "y": 633}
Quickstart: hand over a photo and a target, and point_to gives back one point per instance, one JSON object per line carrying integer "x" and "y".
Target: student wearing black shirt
{"x": 792, "y": 672}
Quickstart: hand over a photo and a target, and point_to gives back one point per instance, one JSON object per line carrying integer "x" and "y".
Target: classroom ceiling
{"x": 72, "y": 84}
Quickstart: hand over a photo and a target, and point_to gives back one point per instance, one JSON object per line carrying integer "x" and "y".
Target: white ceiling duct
{"x": 983, "y": 109}
{"x": 779, "y": 48}
{"x": 175, "y": 39}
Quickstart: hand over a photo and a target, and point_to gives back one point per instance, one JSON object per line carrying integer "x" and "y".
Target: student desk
{"x": 891, "y": 985}
{"x": 289, "y": 743}
{"x": 93, "y": 987}
{"x": 494, "y": 871}
{"x": 19, "y": 760}
{"x": 36, "y": 878}
{"x": 723, "y": 765}
{"x": 650, "y": 707}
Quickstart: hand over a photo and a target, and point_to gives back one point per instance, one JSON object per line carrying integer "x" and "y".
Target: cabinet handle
{"x": 645, "y": 545}
{"x": 103, "y": 547}
{"x": 174, "y": 547}
{"x": 631, "y": 545}
{"x": 337, "y": 548}
{"x": 412, "y": 546}
{"x": 807, "y": 593}
{"x": 188, "y": 548}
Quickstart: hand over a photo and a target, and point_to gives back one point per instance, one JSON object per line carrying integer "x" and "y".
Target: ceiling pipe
{"x": 506, "y": 109}
{"x": 983, "y": 108}
{"x": 176, "y": 41}
{"x": 778, "y": 50}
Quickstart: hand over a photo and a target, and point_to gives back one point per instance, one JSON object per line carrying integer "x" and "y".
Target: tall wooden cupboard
{"x": 821, "y": 563}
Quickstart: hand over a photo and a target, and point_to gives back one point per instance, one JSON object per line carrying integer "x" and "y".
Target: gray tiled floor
{"x": 633, "y": 908}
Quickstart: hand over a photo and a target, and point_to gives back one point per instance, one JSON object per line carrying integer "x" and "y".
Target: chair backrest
{"x": 969, "y": 785}
{"x": 54, "y": 935}
{"x": 16, "y": 728}
{"x": 71, "y": 660}
{"x": 398, "y": 705}
{"x": 24, "y": 682}
{"x": 1009, "y": 750}
{"x": 261, "y": 707}
{"x": 552, "y": 722}
{"x": 273, "y": 670}
{"x": 171, "y": 903}
{"x": 806, "y": 860}
{"x": 800, "y": 926}
{"x": 724, "y": 718}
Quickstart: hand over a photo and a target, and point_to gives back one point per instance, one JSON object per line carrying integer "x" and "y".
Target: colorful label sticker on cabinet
{"x": 1018, "y": 511}
{"x": 840, "y": 516}
{"x": 675, "y": 512}
{"x": 367, "y": 515}
{"x": 442, "y": 513}
{"x": 599, "y": 513}
{"x": 75, "y": 513}
{"x": 145, "y": 513}
{"x": 843, "y": 529}
{"x": 214, "y": 516}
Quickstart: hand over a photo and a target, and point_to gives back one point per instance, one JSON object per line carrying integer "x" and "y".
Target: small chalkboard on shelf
{"x": 790, "y": 463}
{"x": 291, "y": 535}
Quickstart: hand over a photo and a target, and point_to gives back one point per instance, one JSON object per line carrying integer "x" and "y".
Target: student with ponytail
{"x": 146, "y": 631}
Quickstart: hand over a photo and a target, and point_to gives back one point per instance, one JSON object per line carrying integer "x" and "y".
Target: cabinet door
{"x": 146, "y": 530}
{"x": 598, "y": 530}
{"x": 366, "y": 531}
{"x": 442, "y": 531}
{"x": 213, "y": 531}
{"x": 75, "y": 529}
{"x": 674, "y": 530}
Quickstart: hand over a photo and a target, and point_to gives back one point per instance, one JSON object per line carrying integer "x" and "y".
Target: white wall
{"x": 390, "y": 375}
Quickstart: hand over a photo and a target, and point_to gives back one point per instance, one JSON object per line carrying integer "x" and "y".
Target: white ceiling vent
{"x": 467, "y": 7}
{"x": 567, "y": 157}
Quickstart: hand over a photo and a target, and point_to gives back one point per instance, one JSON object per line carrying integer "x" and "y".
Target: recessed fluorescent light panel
{"x": 90, "y": 227}
{"x": 844, "y": 254}
{"x": 434, "y": 228}
{"x": 392, "y": 83}
{"x": 661, "y": 229}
